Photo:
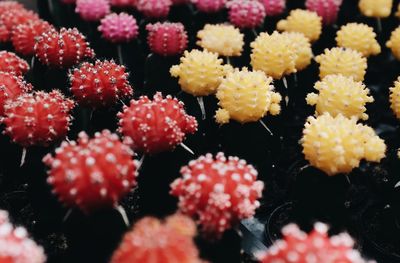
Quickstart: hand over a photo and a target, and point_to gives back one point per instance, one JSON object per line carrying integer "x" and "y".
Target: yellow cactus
{"x": 395, "y": 98}
{"x": 340, "y": 95}
{"x": 347, "y": 62}
{"x": 246, "y": 96}
{"x": 394, "y": 43}
{"x": 222, "y": 116}
{"x": 223, "y": 39}
{"x": 302, "y": 21}
{"x": 398, "y": 11}
{"x": 200, "y": 72}
{"x": 274, "y": 54}
{"x": 376, "y": 8}
{"x": 359, "y": 37}
{"x": 338, "y": 144}
{"x": 302, "y": 48}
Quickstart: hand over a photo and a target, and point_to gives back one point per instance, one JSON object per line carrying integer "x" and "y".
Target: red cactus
{"x": 274, "y": 7}
{"x": 154, "y": 8}
{"x": 180, "y": 2}
{"x": 158, "y": 242}
{"x": 123, "y": 3}
{"x": 15, "y": 245}
{"x": 17, "y": 16}
{"x": 218, "y": 192}
{"x": 14, "y": 17}
{"x": 37, "y": 118}
{"x": 4, "y": 33}
{"x": 246, "y": 13}
{"x": 100, "y": 84}
{"x": 153, "y": 126}
{"x": 62, "y": 49}
{"x": 183, "y": 224}
{"x": 11, "y": 87}
{"x": 24, "y": 36}
{"x": 92, "y": 173}
{"x": 167, "y": 39}
{"x": 209, "y": 6}
{"x": 299, "y": 247}
{"x": 9, "y": 62}
{"x": 6, "y": 6}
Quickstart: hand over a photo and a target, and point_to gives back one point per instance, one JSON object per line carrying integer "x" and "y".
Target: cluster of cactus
{"x": 214, "y": 192}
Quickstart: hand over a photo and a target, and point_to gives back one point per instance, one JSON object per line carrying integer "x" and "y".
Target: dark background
{"x": 31, "y": 4}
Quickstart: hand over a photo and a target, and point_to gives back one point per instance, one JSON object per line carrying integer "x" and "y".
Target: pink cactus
{"x": 118, "y": 28}
{"x": 209, "y": 6}
{"x": 92, "y": 10}
{"x": 15, "y": 244}
{"x": 327, "y": 9}
{"x": 246, "y": 13}
{"x": 274, "y": 7}
{"x": 123, "y": 3}
{"x": 154, "y": 8}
